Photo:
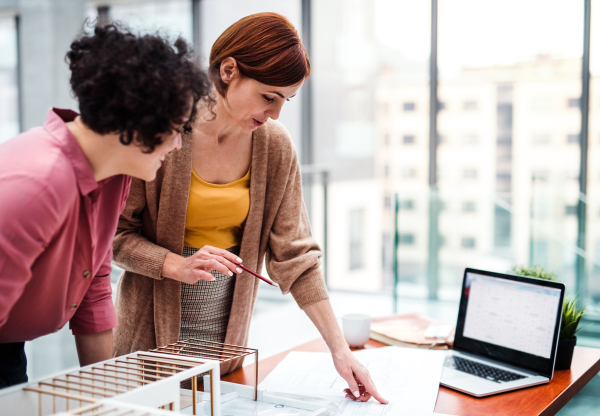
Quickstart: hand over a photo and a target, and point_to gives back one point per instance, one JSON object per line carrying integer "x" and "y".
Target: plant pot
{"x": 564, "y": 354}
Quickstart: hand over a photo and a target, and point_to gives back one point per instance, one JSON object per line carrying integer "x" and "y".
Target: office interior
{"x": 433, "y": 136}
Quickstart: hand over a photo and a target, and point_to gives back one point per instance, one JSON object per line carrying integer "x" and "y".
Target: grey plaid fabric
{"x": 205, "y": 306}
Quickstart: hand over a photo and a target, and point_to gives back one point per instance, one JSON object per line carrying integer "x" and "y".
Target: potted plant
{"x": 570, "y": 318}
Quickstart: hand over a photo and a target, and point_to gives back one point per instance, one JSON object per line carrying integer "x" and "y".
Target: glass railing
{"x": 416, "y": 243}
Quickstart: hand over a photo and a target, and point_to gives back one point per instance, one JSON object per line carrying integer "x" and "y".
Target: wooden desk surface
{"x": 541, "y": 400}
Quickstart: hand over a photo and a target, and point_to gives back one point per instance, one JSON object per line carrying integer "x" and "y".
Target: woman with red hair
{"x": 233, "y": 192}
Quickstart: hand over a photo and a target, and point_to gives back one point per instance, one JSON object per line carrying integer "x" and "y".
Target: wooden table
{"x": 541, "y": 400}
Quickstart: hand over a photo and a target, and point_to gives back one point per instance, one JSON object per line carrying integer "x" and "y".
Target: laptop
{"x": 506, "y": 333}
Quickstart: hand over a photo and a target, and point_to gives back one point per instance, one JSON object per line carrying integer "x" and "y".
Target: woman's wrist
{"x": 170, "y": 266}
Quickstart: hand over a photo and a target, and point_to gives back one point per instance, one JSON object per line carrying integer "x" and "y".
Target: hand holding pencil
{"x": 200, "y": 265}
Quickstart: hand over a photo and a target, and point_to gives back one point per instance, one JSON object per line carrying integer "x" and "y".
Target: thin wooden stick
{"x": 68, "y": 388}
{"x": 177, "y": 361}
{"x": 88, "y": 408}
{"x": 145, "y": 369}
{"x": 116, "y": 383}
{"x": 94, "y": 386}
{"x": 256, "y": 375}
{"x": 135, "y": 380}
{"x": 194, "y": 390}
{"x": 130, "y": 373}
{"x": 60, "y": 394}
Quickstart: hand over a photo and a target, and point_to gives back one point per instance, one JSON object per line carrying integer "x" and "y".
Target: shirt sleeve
{"x": 96, "y": 313}
{"x": 29, "y": 217}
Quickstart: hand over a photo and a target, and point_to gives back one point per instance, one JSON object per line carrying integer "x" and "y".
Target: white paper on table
{"x": 407, "y": 377}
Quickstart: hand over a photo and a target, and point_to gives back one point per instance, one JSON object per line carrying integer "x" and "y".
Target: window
{"x": 573, "y": 103}
{"x": 408, "y": 173}
{"x": 407, "y": 239}
{"x": 540, "y": 138}
{"x": 441, "y": 241}
{"x": 172, "y": 18}
{"x": 540, "y": 175}
{"x": 470, "y": 105}
{"x": 571, "y": 210}
{"x": 572, "y": 175}
{"x": 504, "y": 176}
{"x": 9, "y": 91}
{"x": 408, "y": 106}
{"x": 541, "y": 104}
{"x": 573, "y": 138}
{"x": 470, "y": 174}
{"x": 469, "y": 139}
{"x": 468, "y": 206}
{"x": 408, "y": 139}
{"x": 357, "y": 217}
{"x": 467, "y": 242}
{"x": 385, "y": 109}
{"x": 407, "y": 204}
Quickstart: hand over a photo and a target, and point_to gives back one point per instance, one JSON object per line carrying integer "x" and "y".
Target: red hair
{"x": 267, "y": 48}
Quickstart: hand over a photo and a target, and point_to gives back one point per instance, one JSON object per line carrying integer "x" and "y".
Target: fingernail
{"x": 238, "y": 270}
{"x": 356, "y": 394}
{"x": 230, "y": 273}
{"x": 239, "y": 260}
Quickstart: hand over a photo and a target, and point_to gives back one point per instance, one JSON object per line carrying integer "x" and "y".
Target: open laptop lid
{"x": 512, "y": 319}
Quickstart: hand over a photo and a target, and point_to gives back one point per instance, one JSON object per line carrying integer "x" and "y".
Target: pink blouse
{"x": 56, "y": 230}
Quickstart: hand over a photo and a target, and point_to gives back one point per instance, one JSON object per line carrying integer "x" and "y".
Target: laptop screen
{"x": 513, "y": 319}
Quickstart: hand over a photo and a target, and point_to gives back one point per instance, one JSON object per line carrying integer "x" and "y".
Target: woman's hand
{"x": 361, "y": 387}
{"x": 200, "y": 264}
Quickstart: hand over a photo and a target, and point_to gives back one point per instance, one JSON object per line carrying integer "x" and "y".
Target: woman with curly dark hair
{"x": 233, "y": 190}
{"x": 63, "y": 186}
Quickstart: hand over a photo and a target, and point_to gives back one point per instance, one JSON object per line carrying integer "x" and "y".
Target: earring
{"x": 226, "y": 82}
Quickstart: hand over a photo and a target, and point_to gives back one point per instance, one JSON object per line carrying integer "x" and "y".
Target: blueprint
{"x": 407, "y": 377}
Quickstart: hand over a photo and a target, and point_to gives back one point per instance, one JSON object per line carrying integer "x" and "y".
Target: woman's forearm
{"x": 321, "y": 314}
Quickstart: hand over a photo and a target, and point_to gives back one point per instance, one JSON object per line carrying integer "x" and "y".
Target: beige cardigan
{"x": 153, "y": 224}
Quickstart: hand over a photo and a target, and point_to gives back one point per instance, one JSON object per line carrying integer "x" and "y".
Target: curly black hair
{"x": 128, "y": 84}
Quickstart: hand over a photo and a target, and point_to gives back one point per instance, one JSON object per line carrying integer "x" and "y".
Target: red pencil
{"x": 264, "y": 279}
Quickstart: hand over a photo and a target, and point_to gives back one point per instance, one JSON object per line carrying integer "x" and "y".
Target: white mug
{"x": 357, "y": 328}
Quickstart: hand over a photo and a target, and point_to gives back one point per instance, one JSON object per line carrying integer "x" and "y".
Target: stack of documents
{"x": 408, "y": 378}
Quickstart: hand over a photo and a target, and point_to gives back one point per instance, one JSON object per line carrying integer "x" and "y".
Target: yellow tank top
{"x": 216, "y": 213}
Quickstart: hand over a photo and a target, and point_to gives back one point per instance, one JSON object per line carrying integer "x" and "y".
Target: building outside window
{"x": 469, "y": 173}
{"x": 408, "y": 106}
{"x": 573, "y": 103}
{"x": 407, "y": 239}
{"x": 540, "y": 138}
{"x": 407, "y": 204}
{"x": 9, "y": 89}
{"x": 408, "y": 139}
{"x": 470, "y": 105}
{"x": 467, "y": 242}
{"x": 468, "y": 206}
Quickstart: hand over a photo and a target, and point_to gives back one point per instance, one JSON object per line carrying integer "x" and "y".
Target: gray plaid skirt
{"x": 205, "y": 306}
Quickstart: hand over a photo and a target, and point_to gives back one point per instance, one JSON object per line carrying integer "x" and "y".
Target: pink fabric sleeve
{"x": 96, "y": 313}
{"x": 29, "y": 216}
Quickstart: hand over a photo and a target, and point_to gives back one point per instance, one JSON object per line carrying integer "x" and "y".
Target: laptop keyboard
{"x": 481, "y": 370}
